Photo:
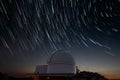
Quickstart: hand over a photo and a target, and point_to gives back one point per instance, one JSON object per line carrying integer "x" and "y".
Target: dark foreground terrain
{"x": 79, "y": 76}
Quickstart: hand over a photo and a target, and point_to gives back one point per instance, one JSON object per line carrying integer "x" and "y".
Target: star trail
{"x": 33, "y": 27}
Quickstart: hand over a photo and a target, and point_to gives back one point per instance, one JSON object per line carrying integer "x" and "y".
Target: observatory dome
{"x": 61, "y": 57}
{"x": 61, "y": 62}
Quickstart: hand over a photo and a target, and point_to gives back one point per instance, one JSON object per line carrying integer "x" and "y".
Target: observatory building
{"x": 60, "y": 64}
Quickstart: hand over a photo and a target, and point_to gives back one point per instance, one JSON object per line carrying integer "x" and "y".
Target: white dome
{"x": 61, "y": 57}
{"x": 61, "y": 62}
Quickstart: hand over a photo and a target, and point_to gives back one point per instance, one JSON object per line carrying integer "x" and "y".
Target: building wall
{"x": 61, "y": 68}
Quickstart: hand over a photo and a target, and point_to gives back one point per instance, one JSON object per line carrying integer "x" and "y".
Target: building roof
{"x": 61, "y": 57}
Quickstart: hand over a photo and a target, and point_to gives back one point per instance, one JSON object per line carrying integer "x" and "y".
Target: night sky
{"x": 30, "y": 30}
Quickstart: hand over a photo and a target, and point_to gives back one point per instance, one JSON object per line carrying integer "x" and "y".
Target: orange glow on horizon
{"x": 111, "y": 75}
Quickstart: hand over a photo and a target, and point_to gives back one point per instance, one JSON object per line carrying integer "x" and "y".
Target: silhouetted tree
{"x": 77, "y": 70}
{"x": 90, "y": 76}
